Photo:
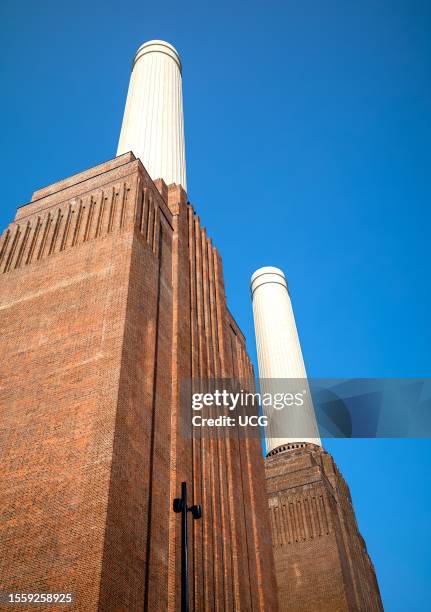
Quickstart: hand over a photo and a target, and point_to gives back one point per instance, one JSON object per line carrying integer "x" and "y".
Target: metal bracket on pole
{"x": 180, "y": 505}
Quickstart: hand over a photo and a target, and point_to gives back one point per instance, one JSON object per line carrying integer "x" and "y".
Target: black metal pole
{"x": 184, "y": 551}
{"x": 180, "y": 505}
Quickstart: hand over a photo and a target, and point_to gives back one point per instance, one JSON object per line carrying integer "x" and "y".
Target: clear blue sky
{"x": 308, "y": 130}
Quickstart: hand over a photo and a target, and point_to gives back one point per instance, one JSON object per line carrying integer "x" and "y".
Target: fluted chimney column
{"x": 153, "y": 123}
{"x": 280, "y": 358}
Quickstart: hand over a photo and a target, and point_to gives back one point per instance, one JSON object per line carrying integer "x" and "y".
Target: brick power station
{"x": 111, "y": 294}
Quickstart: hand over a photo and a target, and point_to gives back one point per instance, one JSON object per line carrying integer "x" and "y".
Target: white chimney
{"x": 153, "y": 122}
{"x": 280, "y": 357}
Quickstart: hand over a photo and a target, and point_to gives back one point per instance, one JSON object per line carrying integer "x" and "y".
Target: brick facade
{"x": 321, "y": 560}
{"x": 111, "y": 293}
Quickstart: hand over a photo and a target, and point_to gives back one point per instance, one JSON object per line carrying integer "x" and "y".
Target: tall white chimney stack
{"x": 153, "y": 122}
{"x": 280, "y": 357}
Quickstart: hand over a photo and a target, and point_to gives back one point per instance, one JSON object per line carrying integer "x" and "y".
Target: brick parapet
{"x": 83, "y": 211}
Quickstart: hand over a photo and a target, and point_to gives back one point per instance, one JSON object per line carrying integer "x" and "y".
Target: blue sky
{"x": 308, "y": 131}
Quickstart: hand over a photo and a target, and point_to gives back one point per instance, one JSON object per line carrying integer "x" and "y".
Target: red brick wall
{"x": 111, "y": 295}
{"x": 320, "y": 557}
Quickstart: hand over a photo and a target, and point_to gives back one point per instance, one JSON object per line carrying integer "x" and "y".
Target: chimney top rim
{"x": 158, "y": 46}
{"x": 267, "y": 270}
{"x": 265, "y": 275}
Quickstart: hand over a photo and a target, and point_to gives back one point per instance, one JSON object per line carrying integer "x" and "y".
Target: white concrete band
{"x": 280, "y": 357}
{"x": 153, "y": 122}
